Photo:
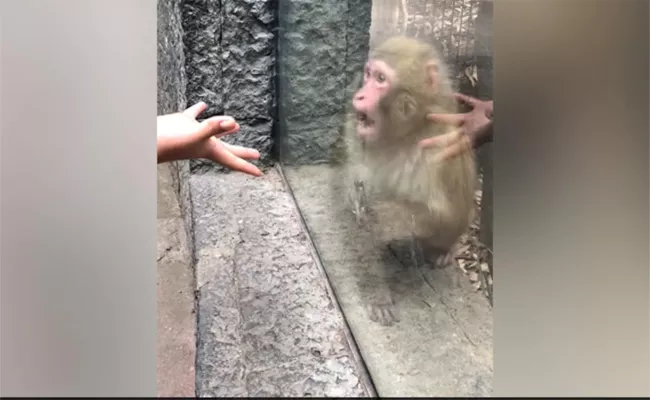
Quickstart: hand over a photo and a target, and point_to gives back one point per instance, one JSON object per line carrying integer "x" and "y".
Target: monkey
{"x": 389, "y": 181}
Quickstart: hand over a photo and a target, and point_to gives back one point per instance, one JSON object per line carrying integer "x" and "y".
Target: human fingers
{"x": 462, "y": 145}
{"x": 218, "y": 127}
{"x": 442, "y": 140}
{"x": 223, "y": 156}
{"x": 489, "y": 108}
{"x": 195, "y": 110}
{"x": 449, "y": 119}
{"x": 471, "y": 101}
{"x": 243, "y": 152}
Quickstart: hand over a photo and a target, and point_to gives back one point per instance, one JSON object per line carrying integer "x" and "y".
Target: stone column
{"x": 230, "y": 61}
{"x": 175, "y": 244}
{"x": 322, "y": 46}
{"x": 171, "y": 95}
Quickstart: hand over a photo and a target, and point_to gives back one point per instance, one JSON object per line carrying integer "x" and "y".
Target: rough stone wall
{"x": 230, "y": 60}
{"x": 171, "y": 93}
{"x": 322, "y": 46}
{"x": 358, "y": 41}
{"x": 223, "y": 52}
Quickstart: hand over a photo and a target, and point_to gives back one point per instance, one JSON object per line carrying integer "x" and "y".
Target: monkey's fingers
{"x": 243, "y": 152}
{"x": 195, "y": 110}
{"x": 449, "y": 119}
{"x": 223, "y": 156}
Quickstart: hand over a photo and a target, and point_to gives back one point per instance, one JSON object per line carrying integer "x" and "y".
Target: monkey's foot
{"x": 383, "y": 313}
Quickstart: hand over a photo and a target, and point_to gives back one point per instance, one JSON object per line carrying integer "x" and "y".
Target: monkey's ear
{"x": 432, "y": 73}
{"x": 407, "y": 107}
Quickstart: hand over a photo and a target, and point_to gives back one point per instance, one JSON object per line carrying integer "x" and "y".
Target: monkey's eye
{"x": 381, "y": 78}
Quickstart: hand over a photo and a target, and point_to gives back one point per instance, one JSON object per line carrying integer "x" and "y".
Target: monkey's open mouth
{"x": 366, "y": 127}
{"x": 364, "y": 120}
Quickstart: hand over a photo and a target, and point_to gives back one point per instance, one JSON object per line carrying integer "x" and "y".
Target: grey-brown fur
{"x": 399, "y": 191}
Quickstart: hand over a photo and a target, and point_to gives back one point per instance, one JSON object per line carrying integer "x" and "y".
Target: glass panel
{"x": 422, "y": 331}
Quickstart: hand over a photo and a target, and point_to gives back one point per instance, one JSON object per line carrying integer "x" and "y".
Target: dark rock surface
{"x": 358, "y": 37}
{"x": 232, "y": 55}
{"x": 267, "y": 325}
{"x": 172, "y": 81}
{"x": 230, "y": 61}
{"x": 322, "y": 45}
{"x": 176, "y": 322}
{"x": 202, "y": 43}
{"x": 171, "y": 61}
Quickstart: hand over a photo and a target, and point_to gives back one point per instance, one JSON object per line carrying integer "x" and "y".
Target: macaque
{"x": 391, "y": 182}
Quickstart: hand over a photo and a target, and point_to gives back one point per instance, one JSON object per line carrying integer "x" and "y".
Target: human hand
{"x": 473, "y": 127}
{"x": 182, "y": 137}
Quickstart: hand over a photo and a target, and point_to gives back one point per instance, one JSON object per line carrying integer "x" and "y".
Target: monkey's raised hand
{"x": 182, "y": 137}
{"x": 475, "y": 127}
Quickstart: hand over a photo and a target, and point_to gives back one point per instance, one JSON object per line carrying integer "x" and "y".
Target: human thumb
{"x": 217, "y": 126}
{"x": 227, "y": 124}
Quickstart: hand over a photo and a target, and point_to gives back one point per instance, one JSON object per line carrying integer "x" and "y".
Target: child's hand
{"x": 182, "y": 137}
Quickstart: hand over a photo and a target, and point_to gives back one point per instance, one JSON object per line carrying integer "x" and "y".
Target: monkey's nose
{"x": 359, "y": 97}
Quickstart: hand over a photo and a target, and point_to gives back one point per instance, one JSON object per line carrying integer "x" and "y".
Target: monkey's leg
{"x": 441, "y": 268}
{"x": 433, "y": 254}
{"x": 379, "y": 299}
{"x": 377, "y": 293}
{"x": 437, "y": 257}
{"x": 375, "y": 290}
{"x": 438, "y": 244}
{"x": 417, "y": 254}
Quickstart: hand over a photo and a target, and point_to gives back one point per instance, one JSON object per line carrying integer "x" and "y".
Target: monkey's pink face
{"x": 377, "y": 80}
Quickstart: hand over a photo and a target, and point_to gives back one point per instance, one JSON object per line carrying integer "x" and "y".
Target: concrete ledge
{"x": 267, "y": 324}
{"x": 176, "y": 314}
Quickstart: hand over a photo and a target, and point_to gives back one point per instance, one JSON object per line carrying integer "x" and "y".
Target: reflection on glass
{"x": 422, "y": 331}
